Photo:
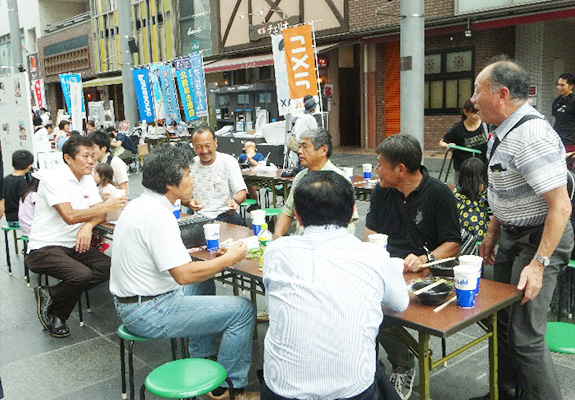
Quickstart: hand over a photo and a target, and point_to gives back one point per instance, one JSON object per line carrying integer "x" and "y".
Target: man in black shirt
{"x": 563, "y": 109}
{"x": 15, "y": 183}
{"x": 419, "y": 215}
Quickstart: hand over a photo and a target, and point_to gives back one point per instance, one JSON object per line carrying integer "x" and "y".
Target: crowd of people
{"x": 324, "y": 286}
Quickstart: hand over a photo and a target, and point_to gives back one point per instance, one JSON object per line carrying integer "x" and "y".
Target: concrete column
{"x": 412, "y": 53}
{"x": 15, "y": 40}
{"x": 127, "y": 61}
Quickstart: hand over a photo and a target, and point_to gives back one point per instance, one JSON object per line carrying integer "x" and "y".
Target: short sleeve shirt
{"x": 14, "y": 186}
{"x": 60, "y": 186}
{"x": 563, "y": 109}
{"x": 460, "y": 136}
{"x": 147, "y": 244}
{"x": 243, "y": 158}
{"x": 216, "y": 183}
{"x": 120, "y": 169}
{"x": 431, "y": 208}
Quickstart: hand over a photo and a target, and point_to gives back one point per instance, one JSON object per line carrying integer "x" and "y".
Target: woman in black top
{"x": 470, "y": 133}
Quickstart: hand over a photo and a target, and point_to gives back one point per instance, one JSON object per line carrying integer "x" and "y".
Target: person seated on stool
{"x": 218, "y": 180}
{"x": 160, "y": 293}
{"x": 16, "y": 183}
{"x": 68, "y": 207}
{"x": 251, "y": 158}
{"x": 330, "y": 284}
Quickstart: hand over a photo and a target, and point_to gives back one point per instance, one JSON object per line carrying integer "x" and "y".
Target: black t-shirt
{"x": 431, "y": 207}
{"x": 460, "y": 136}
{"x": 563, "y": 109}
{"x": 13, "y": 188}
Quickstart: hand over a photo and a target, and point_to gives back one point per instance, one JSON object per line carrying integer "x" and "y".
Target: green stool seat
{"x": 188, "y": 377}
{"x": 273, "y": 212}
{"x": 125, "y": 334}
{"x": 24, "y": 238}
{"x": 560, "y": 337}
{"x": 249, "y": 202}
{"x": 10, "y": 228}
{"x": 571, "y": 264}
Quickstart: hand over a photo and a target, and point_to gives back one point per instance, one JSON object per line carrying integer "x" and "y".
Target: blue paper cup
{"x": 465, "y": 285}
{"x": 257, "y": 228}
{"x": 477, "y": 263}
{"x": 212, "y": 233}
{"x": 366, "y": 171}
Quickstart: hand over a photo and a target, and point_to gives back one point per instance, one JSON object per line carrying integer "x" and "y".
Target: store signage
{"x": 169, "y": 92}
{"x": 280, "y": 69}
{"x": 183, "y": 66}
{"x": 157, "y": 91}
{"x": 143, "y": 93}
{"x": 259, "y": 32}
{"x": 199, "y": 84}
{"x": 533, "y": 90}
{"x": 322, "y": 62}
{"x": 300, "y": 60}
{"x": 38, "y": 89}
{"x": 65, "y": 80}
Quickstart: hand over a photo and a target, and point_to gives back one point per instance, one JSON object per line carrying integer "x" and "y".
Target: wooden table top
{"x": 275, "y": 175}
{"x": 360, "y": 183}
{"x": 492, "y": 297}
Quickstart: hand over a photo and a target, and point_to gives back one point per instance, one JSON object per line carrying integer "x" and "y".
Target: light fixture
{"x": 468, "y": 32}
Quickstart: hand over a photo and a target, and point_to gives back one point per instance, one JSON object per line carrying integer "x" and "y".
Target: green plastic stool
{"x": 185, "y": 378}
{"x": 246, "y": 204}
{"x": 272, "y": 214}
{"x": 560, "y": 337}
{"x": 124, "y": 334}
{"x": 7, "y": 229}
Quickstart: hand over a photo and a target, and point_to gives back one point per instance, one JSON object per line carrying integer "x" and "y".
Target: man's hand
{"x": 115, "y": 203}
{"x": 487, "y": 249}
{"x": 232, "y": 203}
{"x": 412, "y": 262}
{"x": 84, "y": 238}
{"x": 531, "y": 279}
{"x": 237, "y": 252}
{"x": 195, "y": 205}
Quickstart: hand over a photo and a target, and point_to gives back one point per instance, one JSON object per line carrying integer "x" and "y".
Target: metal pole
{"x": 127, "y": 61}
{"x": 15, "y": 41}
{"x": 412, "y": 55}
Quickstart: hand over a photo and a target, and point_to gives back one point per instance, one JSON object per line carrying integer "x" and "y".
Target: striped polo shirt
{"x": 529, "y": 162}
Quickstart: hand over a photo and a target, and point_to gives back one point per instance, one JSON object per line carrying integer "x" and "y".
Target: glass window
{"x": 195, "y": 27}
{"x": 433, "y": 64}
{"x": 451, "y": 93}
{"x": 436, "y": 95}
{"x": 458, "y": 62}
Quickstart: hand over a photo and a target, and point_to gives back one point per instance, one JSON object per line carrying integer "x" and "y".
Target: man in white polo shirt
{"x": 160, "y": 293}
{"x": 67, "y": 209}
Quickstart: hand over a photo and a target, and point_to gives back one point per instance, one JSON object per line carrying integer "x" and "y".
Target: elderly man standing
{"x": 531, "y": 208}
{"x": 158, "y": 289}
{"x": 331, "y": 284}
{"x": 419, "y": 214}
{"x": 67, "y": 209}
{"x": 315, "y": 150}
{"x": 220, "y": 187}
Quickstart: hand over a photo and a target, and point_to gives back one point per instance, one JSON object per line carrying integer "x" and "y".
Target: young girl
{"x": 103, "y": 177}
{"x": 471, "y": 200}
{"x": 28, "y": 203}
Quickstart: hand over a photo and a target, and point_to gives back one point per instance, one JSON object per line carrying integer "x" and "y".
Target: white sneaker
{"x": 263, "y": 316}
{"x": 402, "y": 380}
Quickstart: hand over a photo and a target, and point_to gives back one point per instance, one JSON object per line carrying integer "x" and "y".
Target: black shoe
{"x": 58, "y": 328}
{"x": 43, "y": 301}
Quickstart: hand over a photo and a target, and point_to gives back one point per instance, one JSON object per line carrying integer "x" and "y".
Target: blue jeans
{"x": 185, "y": 312}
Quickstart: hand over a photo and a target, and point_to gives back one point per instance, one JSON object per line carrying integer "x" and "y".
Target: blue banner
{"x": 184, "y": 77}
{"x": 157, "y": 91}
{"x": 65, "y": 80}
{"x": 169, "y": 93}
{"x": 143, "y": 93}
{"x": 199, "y": 86}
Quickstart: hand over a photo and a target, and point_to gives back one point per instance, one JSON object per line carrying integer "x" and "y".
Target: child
{"x": 470, "y": 195}
{"x": 103, "y": 177}
{"x": 28, "y": 203}
{"x": 15, "y": 184}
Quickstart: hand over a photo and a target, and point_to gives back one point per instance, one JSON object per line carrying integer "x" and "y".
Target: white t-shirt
{"x": 147, "y": 244}
{"x": 58, "y": 186}
{"x": 304, "y": 122}
{"x": 120, "y": 170}
{"x": 216, "y": 183}
{"x": 41, "y": 135}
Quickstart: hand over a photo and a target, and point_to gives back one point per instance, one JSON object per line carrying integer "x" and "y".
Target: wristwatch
{"x": 545, "y": 261}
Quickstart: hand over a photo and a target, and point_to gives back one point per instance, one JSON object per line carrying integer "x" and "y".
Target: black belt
{"x": 519, "y": 230}
{"x": 136, "y": 299}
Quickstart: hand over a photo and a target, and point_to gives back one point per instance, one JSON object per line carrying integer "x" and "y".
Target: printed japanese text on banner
{"x": 198, "y": 85}
{"x": 182, "y": 66}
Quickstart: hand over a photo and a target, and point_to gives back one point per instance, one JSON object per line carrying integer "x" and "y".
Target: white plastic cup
{"x": 258, "y": 218}
{"x": 366, "y": 171}
{"x": 465, "y": 285}
{"x": 348, "y": 171}
{"x": 379, "y": 239}
{"x": 114, "y": 215}
{"x": 476, "y": 262}
{"x": 212, "y": 233}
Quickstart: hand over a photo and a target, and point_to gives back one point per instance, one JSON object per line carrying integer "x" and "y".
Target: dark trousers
{"x": 233, "y": 218}
{"x": 78, "y": 272}
{"x": 524, "y": 358}
{"x": 380, "y": 389}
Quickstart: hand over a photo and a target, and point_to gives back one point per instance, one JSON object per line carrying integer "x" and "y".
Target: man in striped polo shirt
{"x": 528, "y": 195}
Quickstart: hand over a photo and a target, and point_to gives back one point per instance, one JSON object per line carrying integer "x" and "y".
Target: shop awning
{"x": 110, "y": 80}
{"x": 261, "y": 60}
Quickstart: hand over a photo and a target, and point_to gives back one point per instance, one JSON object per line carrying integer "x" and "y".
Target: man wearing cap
{"x": 419, "y": 214}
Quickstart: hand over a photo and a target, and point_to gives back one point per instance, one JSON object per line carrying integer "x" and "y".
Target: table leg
{"x": 491, "y": 322}
{"x": 424, "y": 366}
{"x": 274, "y": 195}
{"x": 254, "y": 300}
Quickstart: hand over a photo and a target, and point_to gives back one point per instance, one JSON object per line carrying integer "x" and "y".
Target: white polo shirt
{"x": 147, "y": 244}
{"x": 58, "y": 186}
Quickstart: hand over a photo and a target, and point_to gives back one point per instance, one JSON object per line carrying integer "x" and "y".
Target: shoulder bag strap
{"x": 523, "y": 119}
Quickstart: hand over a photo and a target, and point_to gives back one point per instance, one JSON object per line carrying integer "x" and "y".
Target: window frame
{"x": 444, "y": 76}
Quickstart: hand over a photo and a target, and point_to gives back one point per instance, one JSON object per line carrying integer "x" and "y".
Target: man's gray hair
{"x": 319, "y": 137}
{"x": 510, "y": 75}
{"x": 165, "y": 166}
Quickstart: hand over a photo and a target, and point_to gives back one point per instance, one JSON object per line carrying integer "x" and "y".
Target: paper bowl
{"x": 433, "y": 296}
